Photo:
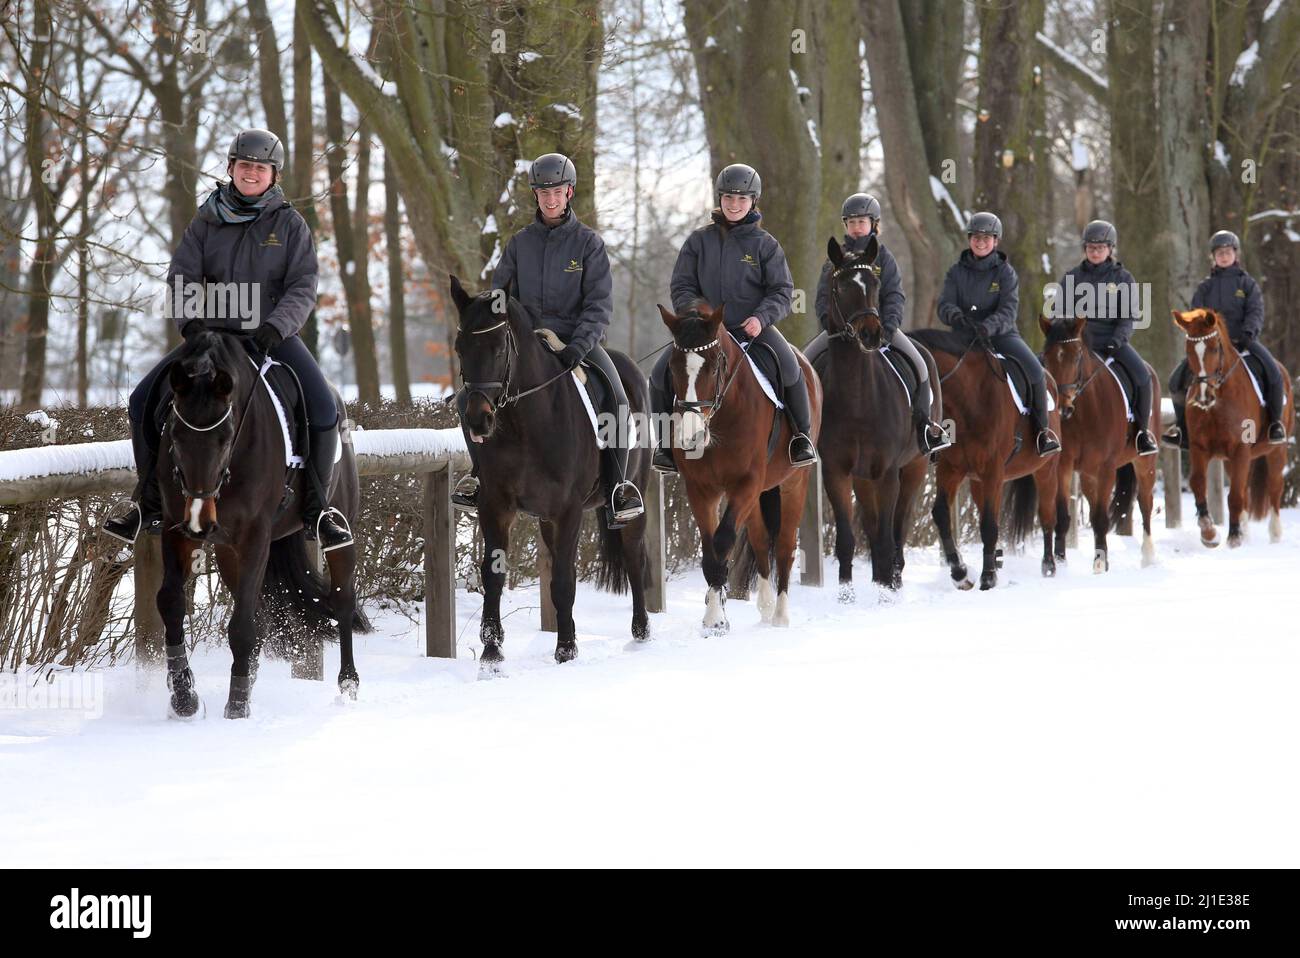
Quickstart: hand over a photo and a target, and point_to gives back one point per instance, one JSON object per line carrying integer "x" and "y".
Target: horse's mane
{"x": 1059, "y": 332}
{"x": 694, "y": 330}
{"x": 519, "y": 315}
{"x": 200, "y": 356}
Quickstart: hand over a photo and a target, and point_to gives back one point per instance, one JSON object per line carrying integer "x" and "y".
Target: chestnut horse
{"x": 1097, "y": 441}
{"x": 869, "y": 446}
{"x": 993, "y": 444}
{"x": 1226, "y": 420}
{"x": 722, "y": 448}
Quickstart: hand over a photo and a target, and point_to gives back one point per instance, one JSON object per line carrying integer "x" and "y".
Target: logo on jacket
{"x": 994, "y": 286}
{"x": 1241, "y": 293}
{"x": 271, "y": 240}
{"x": 748, "y": 259}
{"x": 573, "y": 267}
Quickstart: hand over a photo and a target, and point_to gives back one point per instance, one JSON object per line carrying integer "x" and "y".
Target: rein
{"x": 713, "y": 405}
{"x": 1078, "y": 371}
{"x": 179, "y": 474}
{"x": 846, "y": 330}
{"x": 505, "y": 397}
{"x": 1215, "y": 382}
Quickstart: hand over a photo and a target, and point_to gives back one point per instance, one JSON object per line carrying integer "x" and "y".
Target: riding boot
{"x": 319, "y": 518}
{"x": 1176, "y": 435}
{"x": 1144, "y": 441}
{"x": 1048, "y": 443}
{"x": 465, "y": 495}
{"x": 625, "y": 502}
{"x": 799, "y": 413}
{"x": 146, "y": 500}
{"x": 1276, "y": 431}
{"x": 930, "y": 436}
{"x": 660, "y": 406}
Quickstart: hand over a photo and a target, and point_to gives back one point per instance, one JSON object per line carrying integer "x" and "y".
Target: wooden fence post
{"x": 811, "y": 530}
{"x": 1171, "y": 476}
{"x": 656, "y": 596}
{"x": 1072, "y": 534}
{"x": 149, "y": 637}
{"x": 439, "y": 565}
{"x": 1214, "y": 491}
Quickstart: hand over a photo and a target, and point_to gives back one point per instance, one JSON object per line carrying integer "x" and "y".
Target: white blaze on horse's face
{"x": 862, "y": 283}
{"x": 1200, "y": 362}
{"x": 695, "y": 431}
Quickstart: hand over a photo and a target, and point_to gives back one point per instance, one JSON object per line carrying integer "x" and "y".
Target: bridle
{"x": 1212, "y": 383}
{"x": 178, "y": 474}
{"x": 846, "y": 330}
{"x": 504, "y": 397}
{"x": 712, "y": 405}
{"x": 1079, "y": 384}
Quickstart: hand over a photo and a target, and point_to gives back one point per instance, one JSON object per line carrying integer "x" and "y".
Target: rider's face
{"x": 1096, "y": 252}
{"x": 252, "y": 179}
{"x": 857, "y": 226}
{"x": 552, "y": 200}
{"x": 1225, "y": 256}
{"x": 981, "y": 244}
{"x": 736, "y": 205}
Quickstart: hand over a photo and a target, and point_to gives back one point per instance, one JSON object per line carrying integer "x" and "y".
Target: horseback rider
{"x": 734, "y": 263}
{"x": 1107, "y": 331}
{"x": 245, "y": 233}
{"x": 1233, "y": 293}
{"x": 861, "y": 216}
{"x": 557, "y": 267}
{"x": 980, "y": 297}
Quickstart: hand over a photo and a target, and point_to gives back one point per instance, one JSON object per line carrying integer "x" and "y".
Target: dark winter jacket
{"x": 274, "y": 251}
{"x": 741, "y": 267}
{"x": 1234, "y": 293}
{"x": 561, "y": 274}
{"x": 980, "y": 295}
{"x": 1114, "y": 308}
{"x": 891, "y": 286}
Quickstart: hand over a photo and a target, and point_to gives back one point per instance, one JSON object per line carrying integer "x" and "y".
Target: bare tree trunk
{"x": 396, "y": 287}
{"x": 303, "y": 149}
{"x": 931, "y": 232}
{"x": 271, "y": 83}
{"x": 1012, "y": 151}
{"x": 39, "y": 274}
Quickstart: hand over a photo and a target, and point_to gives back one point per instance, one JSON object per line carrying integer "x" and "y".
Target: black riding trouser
{"x": 1127, "y": 358}
{"x": 1014, "y": 347}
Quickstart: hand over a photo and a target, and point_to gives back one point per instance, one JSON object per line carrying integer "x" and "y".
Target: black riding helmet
{"x": 1224, "y": 238}
{"x": 552, "y": 169}
{"x": 738, "y": 178}
{"x": 861, "y": 204}
{"x": 257, "y": 146}
{"x": 984, "y": 223}
{"x": 1099, "y": 231}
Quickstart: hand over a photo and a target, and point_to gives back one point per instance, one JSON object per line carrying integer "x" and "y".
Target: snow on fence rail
{"x": 98, "y": 468}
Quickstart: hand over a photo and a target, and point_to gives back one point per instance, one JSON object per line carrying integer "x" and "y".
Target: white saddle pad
{"x": 591, "y": 415}
{"x": 1015, "y": 395}
{"x": 1251, "y": 373}
{"x": 763, "y": 381}
{"x": 290, "y": 460}
{"x": 1128, "y": 408}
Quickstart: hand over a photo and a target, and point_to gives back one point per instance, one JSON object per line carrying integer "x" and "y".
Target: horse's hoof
{"x": 715, "y": 630}
{"x": 237, "y": 710}
{"x": 964, "y": 584}
{"x": 988, "y": 580}
{"x": 566, "y": 652}
{"x": 1049, "y": 568}
{"x": 641, "y": 631}
{"x": 847, "y": 596}
{"x": 491, "y": 670}
{"x": 1100, "y": 563}
{"x": 186, "y": 707}
{"x": 349, "y": 687}
{"x": 1211, "y": 541}
{"x": 1235, "y": 541}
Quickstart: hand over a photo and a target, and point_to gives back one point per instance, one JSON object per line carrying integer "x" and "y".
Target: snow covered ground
{"x": 1146, "y": 717}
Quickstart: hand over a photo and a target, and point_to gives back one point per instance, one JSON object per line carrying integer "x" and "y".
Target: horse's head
{"x": 1210, "y": 354}
{"x": 699, "y": 370}
{"x": 202, "y": 426}
{"x": 487, "y": 349}
{"x": 855, "y": 293}
{"x": 1065, "y": 356}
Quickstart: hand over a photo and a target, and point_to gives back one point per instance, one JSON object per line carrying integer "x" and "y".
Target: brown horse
{"x": 1097, "y": 441}
{"x": 1226, "y": 420}
{"x": 993, "y": 444}
{"x": 868, "y": 447}
{"x": 722, "y": 448}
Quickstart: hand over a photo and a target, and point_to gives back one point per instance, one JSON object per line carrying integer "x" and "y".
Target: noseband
{"x": 504, "y": 397}
{"x": 1212, "y": 383}
{"x": 178, "y": 474}
{"x": 846, "y": 330}
{"x": 712, "y": 405}
{"x": 1079, "y": 384}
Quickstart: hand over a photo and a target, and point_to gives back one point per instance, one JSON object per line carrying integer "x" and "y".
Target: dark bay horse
{"x": 993, "y": 444}
{"x": 223, "y": 442}
{"x": 1097, "y": 441}
{"x": 723, "y": 448}
{"x": 868, "y": 444}
{"x": 539, "y": 456}
{"x": 1226, "y": 420}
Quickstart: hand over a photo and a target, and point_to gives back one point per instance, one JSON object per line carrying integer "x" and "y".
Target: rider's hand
{"x": 192, "y": 328}
{"x": 267, "y": 337}
{"x": 753, "y": 326}
{"x": 571, "y": 355}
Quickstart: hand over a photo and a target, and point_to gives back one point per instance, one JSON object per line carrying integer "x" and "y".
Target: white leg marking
{"x": 1275, "y": 527}
{"x": 766, "y": 599}
{"x": 782, "y": 615}
{"x": 714, "y": 614}
{"x": 1148, "y": 551}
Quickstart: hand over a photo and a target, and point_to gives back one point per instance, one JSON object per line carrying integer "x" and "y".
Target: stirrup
{"x": 790, "y": 451}
{"x": 932, "y": 443}
{"x": 1137, "y": 443}
{"x": 1046, "y": 438}
{"x": 627, "y": 513}
{"x": 346, "y": 528}
{"x": 668, "y": 467}
{"x": 1280, "y": 438}
{"x": 465, "y": 495}
{"x": 139, "y": 526}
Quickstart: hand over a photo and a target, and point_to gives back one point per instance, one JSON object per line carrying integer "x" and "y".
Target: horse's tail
{"x": 1121, "y": 501}
{"x": 1019, "y": 509}
{"x": 1258, "y": 502}
{"x": 611, "y": 572}
{"x": 296, "y": 599}
{"x": 769, "y": 507}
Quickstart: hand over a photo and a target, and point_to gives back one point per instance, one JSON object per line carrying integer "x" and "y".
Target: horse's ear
{"x": 1079, "y": 323}
{"x": 670, "y": 319}
{"x": 871, "y": 251}
{"x": 1044, "y": 324}
{"x": 223, "y": 384}
{"x": 712, "y": 315}
{"x": 178, "y": 379}
{"x": 835, "y": 252}
{"x": 1179, "y": 318}
{"x": 458, "y": 294}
